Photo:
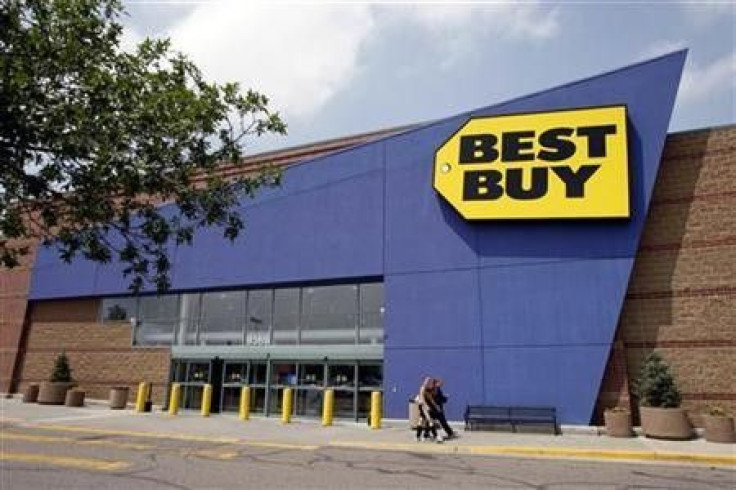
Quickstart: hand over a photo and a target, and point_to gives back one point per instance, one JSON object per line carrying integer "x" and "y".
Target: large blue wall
{"x": 505, "y": 312}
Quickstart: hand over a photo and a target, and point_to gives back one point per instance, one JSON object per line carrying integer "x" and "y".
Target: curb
{"x": 551, "y": 453}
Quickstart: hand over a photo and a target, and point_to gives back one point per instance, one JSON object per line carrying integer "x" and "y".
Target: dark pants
{"x": 426, "y": 425}
{"x": 439, "y": 416}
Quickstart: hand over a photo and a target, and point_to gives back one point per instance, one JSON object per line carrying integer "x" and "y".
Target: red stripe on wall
{"x": 684, "y": 293}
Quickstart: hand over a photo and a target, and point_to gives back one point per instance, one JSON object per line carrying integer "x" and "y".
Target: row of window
{"x": 314, "y": 315}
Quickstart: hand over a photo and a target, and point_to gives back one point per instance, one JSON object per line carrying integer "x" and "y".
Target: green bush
{"x": 62, "y": 373}
{"x": 655, "y": 385}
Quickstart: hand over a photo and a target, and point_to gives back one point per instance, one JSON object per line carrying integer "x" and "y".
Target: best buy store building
{"x": 493, "y": 249}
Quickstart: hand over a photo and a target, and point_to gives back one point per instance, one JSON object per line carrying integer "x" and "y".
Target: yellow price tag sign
{"x": 562, "y": 164}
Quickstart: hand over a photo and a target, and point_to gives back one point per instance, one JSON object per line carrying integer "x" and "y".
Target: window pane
{"x": 258, "y": 373}
{"x": 235, "y": 373}
{"x": 341, "y": 376}
{"x": 158, "y": 316}
{"x": 329, "y": 314}
{"x": 285, "y": 316}
{"x": 223, "y": 315}
{"x": 189, "y": 319}
{"x": 283, "y": 374}
{"x": 119, "y": 309}
{"x": 371, "y": 313}
{"x": 198, "y": 372}
{"x": 311, "y": 374}
{"x": 370, "y": 376}
{"x": 259, "y": 317}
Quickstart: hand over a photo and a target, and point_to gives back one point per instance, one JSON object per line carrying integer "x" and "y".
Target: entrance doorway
{"x": 352, "y": 382}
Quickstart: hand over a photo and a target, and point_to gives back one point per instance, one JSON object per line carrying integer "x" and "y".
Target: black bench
{"x": 479, "y": 415}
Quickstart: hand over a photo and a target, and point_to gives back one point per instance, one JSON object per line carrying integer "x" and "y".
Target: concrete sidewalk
{"x": 308, "y": 434}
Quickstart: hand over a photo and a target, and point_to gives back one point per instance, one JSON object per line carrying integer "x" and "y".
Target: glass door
{"x": 258, "y": 377}
{"x": 235, "y": 376}
{"x": 308, "y": 401}
{"x": 341, "y": 378}
{"x": 283, "y": 375}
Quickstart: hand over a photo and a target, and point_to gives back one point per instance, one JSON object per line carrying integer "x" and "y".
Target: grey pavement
{"x": 581, "y": 444}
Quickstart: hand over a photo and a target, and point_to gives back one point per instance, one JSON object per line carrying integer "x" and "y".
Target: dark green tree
{"x": 655, "y": 385}
{"x": 93, "y": 138}
{"x": 61, "y": 373}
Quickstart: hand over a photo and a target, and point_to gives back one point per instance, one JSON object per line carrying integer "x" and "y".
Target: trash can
{"x": 30, "y": 395}
{"x": 119, "y": 397}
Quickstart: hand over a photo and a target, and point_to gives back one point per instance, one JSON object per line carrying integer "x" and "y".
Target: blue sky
{"x": 339, "y": 68}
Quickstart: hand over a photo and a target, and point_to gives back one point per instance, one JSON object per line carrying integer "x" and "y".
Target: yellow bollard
{"x": 328, "y": 407}
{"x": 376, "y": 410}
{"x": 143, "y": 391}
{"x": 206, "y": 400}
{"x": 174, "y": 399}
{"x": 286, "y": 405}
{"x": 244, "y": 412}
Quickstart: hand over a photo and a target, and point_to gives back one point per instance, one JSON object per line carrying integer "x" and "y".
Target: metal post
{"x": 174, "y": 399}
{"x": 328, "y": 407}
{"x": 376, "y": 410}
{"x": 143, "y": 391}
{"x": 244, "y": 412}
{"x": 286, "y": 406}
{"x": 206, "y": 400}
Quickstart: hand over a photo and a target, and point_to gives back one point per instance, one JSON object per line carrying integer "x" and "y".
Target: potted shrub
{"x": 53, "y": 392}
{"x": 618, "y": 422}
{"x": 718, "y": 426}
{"x": 659, "y": 399}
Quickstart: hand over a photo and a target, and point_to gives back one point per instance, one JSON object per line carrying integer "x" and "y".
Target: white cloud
{"x": 703, "y": 13}
{"x": 298, "y": 54}
{"x": 506, "y": 19}
{"x": 301, "y": 54}
{"x": 702, "y": 81}
{"x": 660, "y": 48}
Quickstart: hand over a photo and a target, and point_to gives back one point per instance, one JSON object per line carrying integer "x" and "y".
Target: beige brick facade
{"x": 100, "y": 354}
{"x": 681, "y": 300}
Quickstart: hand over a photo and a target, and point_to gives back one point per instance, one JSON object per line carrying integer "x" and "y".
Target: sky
{"x": 338, "y": 68}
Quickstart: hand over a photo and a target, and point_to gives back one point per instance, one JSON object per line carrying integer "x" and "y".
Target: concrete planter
{"x": 719, "y": 429}
{"x": 119, "y": 397}
{"x": 30, "y": 395}
{"x": 53, "y": 393}
{"x": 618, "y": 423}
{"x": 665, "y": 423}
{"x": 74, "y": 398}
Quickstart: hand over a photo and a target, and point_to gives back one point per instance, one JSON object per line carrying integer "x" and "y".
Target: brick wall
{"x": 100, "y": 355}
{"x": 14, "y": 284}
{"x": 681, "y": 300}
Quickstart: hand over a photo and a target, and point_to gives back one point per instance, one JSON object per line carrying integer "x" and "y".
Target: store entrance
{"x": 352, "y": 382}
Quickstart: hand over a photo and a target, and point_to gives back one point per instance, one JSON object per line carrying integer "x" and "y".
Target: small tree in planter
{"x": 659, "y": 398}
{"x": 62, "y": 372}
{"x": 53, "y": 392}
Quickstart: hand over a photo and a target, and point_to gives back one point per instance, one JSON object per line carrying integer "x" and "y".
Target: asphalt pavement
{"x": 94, "y": 447}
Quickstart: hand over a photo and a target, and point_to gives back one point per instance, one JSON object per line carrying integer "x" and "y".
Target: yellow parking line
{"x": 127, "y": 433}
{"x": 178, "y": 437}
{"x": 70, "y": 440}
{"x": 65, "y": 461}
{"x": 279, "y": 445}
{"x": 607, "y": 454}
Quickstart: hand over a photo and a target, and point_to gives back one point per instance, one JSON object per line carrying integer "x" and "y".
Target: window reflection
{"x": 223, "y": 316}
{"x": 158, "y": 316}
{"x": 343, "y": 314}
{"x": 119, "y": 309}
